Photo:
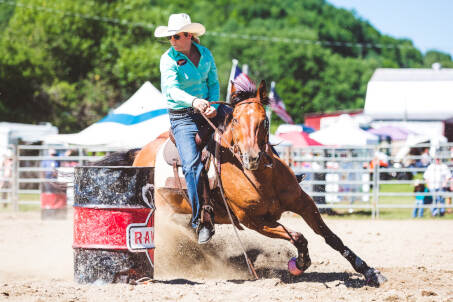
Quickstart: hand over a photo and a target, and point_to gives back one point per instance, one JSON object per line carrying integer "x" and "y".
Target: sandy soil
{"x": 416, "y": 257}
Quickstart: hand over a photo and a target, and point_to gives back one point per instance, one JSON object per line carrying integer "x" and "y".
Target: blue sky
{"x": 428, "y": 23}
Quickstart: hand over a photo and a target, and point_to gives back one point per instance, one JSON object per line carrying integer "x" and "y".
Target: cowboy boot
{"x": 206, "y": 227}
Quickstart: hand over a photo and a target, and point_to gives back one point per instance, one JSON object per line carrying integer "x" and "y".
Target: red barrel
{"x": 113, "y": 224}
{"x": 53, "y": 200}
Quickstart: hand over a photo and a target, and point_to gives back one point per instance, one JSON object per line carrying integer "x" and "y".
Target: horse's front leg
{"x": 306, "y": 207}
{"x": 271, "y": 228}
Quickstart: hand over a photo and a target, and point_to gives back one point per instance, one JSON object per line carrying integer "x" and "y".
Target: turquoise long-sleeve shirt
{"x": 182, "y": 81}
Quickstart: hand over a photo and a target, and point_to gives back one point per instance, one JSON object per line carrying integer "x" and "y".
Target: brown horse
{"x": 258, "y": 185}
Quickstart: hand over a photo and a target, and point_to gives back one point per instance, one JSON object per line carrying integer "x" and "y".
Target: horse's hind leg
{"x": 273, "y": 229}
{"x": 308, "y": 210}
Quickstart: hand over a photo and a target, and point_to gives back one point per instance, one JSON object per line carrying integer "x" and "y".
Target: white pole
{"x": 245, "y": 69}
{"x": 233, "y": 71}
{"x": 269, "y": 108}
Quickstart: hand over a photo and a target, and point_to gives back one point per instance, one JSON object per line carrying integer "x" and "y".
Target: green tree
{"x": 70, "y": 62}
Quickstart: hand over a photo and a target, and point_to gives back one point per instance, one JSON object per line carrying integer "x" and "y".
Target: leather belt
{"x": 181, "y": 111}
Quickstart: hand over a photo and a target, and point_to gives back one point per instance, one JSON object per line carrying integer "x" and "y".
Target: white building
{"x": 415, "y": 98}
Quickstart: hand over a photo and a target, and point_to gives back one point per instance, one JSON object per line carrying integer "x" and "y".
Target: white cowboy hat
{"x": 179, "y": 23}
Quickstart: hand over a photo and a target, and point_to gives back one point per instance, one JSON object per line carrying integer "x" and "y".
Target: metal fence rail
{"x": 336, "y": 177}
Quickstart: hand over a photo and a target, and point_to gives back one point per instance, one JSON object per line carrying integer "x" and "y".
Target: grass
{"x": 389, "y": 213}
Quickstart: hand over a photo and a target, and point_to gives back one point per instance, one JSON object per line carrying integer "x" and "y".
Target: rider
{"x": 189, "y": 82}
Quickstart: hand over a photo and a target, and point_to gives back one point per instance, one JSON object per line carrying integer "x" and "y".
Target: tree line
{"x": 70, "y": 62}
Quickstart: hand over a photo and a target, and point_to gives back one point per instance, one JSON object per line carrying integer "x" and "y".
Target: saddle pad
{"x": 171, "y": 154}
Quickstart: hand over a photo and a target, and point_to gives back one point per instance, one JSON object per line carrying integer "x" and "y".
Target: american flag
{"x": 278, "y": 106}
{"x": 242, "y": 81}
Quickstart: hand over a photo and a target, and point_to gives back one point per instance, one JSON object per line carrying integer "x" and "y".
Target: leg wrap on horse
{"x": 303, "y": 259}
{"x": 357, "y": 263}
{"x": 373, "y": 276}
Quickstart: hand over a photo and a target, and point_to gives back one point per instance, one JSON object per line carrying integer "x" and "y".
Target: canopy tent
{"x": 299, "y": 139}
{"x": 285, "y": 128}
{"x": 413, "y": 140}
{"x": 132, "y": 125}
{"x": 344, "y": 133}
{"x": 394, "y": 132}
{"x": 14, "y": 133}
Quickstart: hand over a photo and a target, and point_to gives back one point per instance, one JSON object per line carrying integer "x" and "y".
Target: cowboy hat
{"x": 179, "y": 23}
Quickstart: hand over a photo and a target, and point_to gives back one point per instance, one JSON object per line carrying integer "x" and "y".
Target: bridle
{"x": 235, "y": 146}
{"x": 234, "y": 149}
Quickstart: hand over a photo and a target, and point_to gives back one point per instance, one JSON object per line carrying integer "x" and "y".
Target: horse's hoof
{"x": 293, "y": 269}
{"x": 375, "y": 278}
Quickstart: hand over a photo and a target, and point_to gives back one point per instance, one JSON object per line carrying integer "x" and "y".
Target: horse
{"x": 258, "y": 185}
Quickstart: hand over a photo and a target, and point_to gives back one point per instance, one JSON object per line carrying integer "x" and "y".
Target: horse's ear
{"x": 233, "y": 88}
{"x": 262, "y": 90}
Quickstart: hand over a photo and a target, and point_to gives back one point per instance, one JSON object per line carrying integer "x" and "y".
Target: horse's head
{"x": 249, "y": 125}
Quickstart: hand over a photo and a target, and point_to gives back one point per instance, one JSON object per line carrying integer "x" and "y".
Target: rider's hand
{"x": 210, "y": 112}
{"x": 200, "y": 104}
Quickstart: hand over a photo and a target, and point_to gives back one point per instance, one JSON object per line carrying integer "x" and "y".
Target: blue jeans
{"x": 418, "y": 208}
{"x": 185, "y": 126}
{"x": 438, "y": 202}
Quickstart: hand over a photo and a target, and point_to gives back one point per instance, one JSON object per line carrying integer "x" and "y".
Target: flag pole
{"x": 245, "y": 69}
{"x": 269, "y": 107}
{"x": 233, "y": 71}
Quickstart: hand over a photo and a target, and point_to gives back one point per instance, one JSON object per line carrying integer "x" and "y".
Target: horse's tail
{"x": 125, "y": 158}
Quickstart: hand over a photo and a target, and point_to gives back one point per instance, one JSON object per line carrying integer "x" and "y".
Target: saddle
{"x": 168, "y": 166}
{"x": 171, "y": 157}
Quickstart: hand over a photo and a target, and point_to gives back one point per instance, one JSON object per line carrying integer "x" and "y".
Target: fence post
{"x": 378, "y": 188}
{"x": 15, "y": 178}
{"x": 375, "y": 190}
{"x": 80, "y": 154}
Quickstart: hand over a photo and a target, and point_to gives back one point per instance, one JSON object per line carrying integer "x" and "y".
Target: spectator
{"x": 419, "y": 199}
{"x": 449, "y": 189}
{"x": 425, "y": 159}
{"x": 50, "y": 165}
{"x": 69, "y": 163}
{"x": 436, "y": 176}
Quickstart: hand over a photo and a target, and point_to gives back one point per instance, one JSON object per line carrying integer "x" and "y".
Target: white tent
{"x": 132, "y": 125}
{"x": 14, "y": 133}
{"x": 275, "y": 140}
{"x": 285, "y": 128}
{"x": 415, "y": 139}
{"x": 344, "y": 133}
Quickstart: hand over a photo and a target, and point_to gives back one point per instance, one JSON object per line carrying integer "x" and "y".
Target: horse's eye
{"x": 235, "y": 121}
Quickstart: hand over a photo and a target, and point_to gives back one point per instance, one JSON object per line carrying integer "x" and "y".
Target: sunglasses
{"x": 176, "y": 37}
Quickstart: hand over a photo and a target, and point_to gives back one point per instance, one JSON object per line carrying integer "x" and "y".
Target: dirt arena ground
{"x": 415, "y": 256}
